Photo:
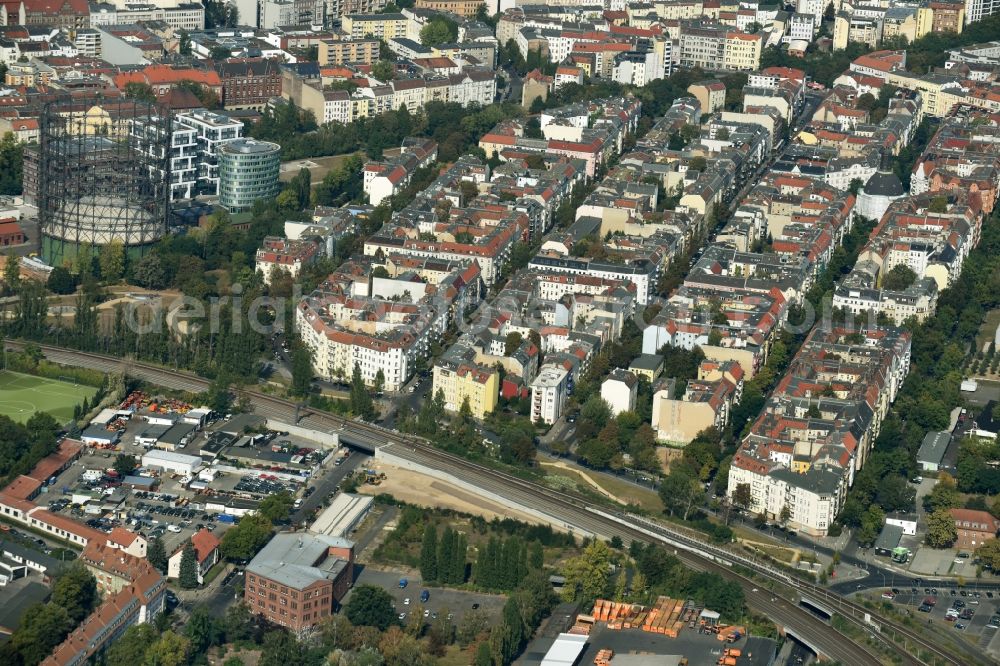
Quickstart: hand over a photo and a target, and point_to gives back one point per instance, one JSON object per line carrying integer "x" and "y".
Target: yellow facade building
{"x": 477, "y": 384}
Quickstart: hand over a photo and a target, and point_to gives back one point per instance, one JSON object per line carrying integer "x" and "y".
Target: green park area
{"x": 23, "y": 395}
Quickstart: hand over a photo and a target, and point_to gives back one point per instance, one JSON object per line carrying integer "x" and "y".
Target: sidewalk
{"x": 203, "y": 594}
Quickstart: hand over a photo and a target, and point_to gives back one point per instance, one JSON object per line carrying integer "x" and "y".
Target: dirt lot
{"x": 422, "y": 490}
{"x": 318, "y": 167}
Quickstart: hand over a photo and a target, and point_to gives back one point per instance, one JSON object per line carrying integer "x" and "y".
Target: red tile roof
{"x": 122, "y": 537}
{"x": 68, "y": 450}
{"x": 204, "y": 543}
{"x": 23, "y": 487}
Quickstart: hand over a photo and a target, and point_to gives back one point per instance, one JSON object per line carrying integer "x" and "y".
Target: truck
{"x": 226, "y": 518}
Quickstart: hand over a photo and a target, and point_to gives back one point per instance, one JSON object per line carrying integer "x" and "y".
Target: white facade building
{"x": 210, "y": 130}
{"x": 172, "y": 462}
{"x": 182, "y": 153}
{"x": 619, "y": 391}
{"x": 548, "y": 394}
{"x": 977, "y": 10}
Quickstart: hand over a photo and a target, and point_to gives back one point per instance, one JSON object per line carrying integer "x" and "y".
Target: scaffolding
{"x": 103, "y": 176}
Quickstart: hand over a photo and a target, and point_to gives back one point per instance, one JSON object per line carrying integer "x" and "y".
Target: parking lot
{"x": 975, "y": 613}
{"x": 151, "y": 514}
{"x": 253, "y": 462}
{"x": 441, "y": 601}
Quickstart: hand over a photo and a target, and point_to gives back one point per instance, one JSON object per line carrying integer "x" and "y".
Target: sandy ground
{"x": 587, "y": 478}
{"x": 422, "y": 490}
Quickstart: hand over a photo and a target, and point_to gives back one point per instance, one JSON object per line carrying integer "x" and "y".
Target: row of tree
{"x": 502, "y": 564}
{"x": 443, "y": 559}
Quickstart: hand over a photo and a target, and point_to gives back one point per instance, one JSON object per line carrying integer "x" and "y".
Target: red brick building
{"x": 69, "y": 14}
{"x": 974, "y": 527}
{"x": 247, "y": 83}
{"x": 298, "y": 578}
{"x": 11, "y": 233}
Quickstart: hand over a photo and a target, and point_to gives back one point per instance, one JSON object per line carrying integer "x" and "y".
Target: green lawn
{"x": 23, "y": 395}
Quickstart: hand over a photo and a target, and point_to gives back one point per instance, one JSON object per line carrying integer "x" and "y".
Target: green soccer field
{"x": 23, "y": 395}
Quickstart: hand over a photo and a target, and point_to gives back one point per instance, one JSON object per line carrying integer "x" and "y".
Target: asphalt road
{"x": 326, "y": 486}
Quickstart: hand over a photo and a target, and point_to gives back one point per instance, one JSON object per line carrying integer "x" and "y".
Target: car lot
{"x": 440, "y": 601}
{"x": 166, "y": 513}
{"x": 962, "y": 609}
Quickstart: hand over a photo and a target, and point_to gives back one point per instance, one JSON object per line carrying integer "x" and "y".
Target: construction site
{"x": 669, "y": 632}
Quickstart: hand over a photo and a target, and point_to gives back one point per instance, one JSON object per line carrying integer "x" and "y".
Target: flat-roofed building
{"x": 343, "y": 515}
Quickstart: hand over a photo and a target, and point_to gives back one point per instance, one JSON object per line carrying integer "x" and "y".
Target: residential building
{"x": 711, "y": 94}
{"x": 949, "y": 16}
{"x": 380, "y": 26}
{"x": 549, "y": 392}
{"x": 619, "y": 390}
{"x": 706, "y": 403}
{"x": 932, "y": 245}
{"x": 182, "y": 163}
{"x": 977, "y": 10}
{"x": 113, "y": 568}
{"x": 974, "y": 528}
{"x": 129, "y": 45}
{"x": 337, "y": 323}
{"x": 206, "y": 554}
{"x": 714, "y": 46}
{"x": 127, "y": 541}
{"x": 211, "y": 130}
{"x": 344, "y": 51}
{"x": 336, "y": 9}
{"x": 818, "y": 426}
{"x": 649, "y": 366}
{"x": 466, "y": 8}
{"x": 137, "y": 603}
{"x": 298, "y": 578}
{"x": 384, "y": 179}
{"x": 284, "y": 256}
{"x": 535, "y": 86}
{"x": 477, "y": 385}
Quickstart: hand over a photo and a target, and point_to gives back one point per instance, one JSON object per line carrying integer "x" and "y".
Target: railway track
{"x": 576, "y": 513}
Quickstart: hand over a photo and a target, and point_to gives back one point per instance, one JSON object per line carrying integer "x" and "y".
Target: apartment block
{"x": 211, "y": 130}
{"x": 549, "y": 392}
{"x": 477, "y": 386}
{"x": 706, "y": 403}
{"x": 619, "y": 390}
{"x": 379, "y": 325}
{"x": 380, "y": 26}
{"x": 386, "y": 178}
{"x": 819, "y": 425}
{"x": 343, "y": 51}
{"x": 280, "y": 255}
{"x": 931, "y": 244}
